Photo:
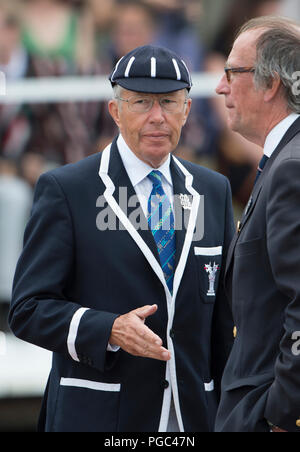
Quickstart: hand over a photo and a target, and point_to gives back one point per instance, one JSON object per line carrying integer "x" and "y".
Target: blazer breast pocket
{"x": 208, "y": 262}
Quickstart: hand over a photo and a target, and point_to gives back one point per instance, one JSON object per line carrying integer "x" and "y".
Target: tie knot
{"x": 155, "y": 177}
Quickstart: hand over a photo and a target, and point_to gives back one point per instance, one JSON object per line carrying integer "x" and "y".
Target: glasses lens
{"x": 170, "y": 105}
{"x": 140, "y": 104}
{"x": 228, "y": 74}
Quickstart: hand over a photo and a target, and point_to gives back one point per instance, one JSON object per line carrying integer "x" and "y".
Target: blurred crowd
{"x": 42, "y": 38}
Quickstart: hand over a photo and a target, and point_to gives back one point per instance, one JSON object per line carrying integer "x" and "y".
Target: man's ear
{"x": 113, "y": 109}
{"x": 273, "y": 89}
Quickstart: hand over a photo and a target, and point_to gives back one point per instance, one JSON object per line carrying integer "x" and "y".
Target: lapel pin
{"x": 185, "y": 202}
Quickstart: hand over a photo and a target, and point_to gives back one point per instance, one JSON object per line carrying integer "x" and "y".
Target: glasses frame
{"x": 151, "y": 106}
{"x": 236, "y": 70}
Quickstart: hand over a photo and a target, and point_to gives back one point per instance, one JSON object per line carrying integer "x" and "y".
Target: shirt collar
{"x": 277, "y": 133}
{"x": 138, "y": 170}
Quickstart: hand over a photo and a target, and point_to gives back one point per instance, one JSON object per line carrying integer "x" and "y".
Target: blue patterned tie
{"x": 161, "y": 223}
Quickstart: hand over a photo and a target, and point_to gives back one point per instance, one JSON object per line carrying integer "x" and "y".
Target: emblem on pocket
{"x": 212, "y": 271}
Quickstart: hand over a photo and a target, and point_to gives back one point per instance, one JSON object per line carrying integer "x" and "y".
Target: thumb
{"x": 145, "y": 311}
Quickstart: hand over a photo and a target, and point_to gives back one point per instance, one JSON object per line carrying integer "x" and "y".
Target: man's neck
{"x": 272, "y": 119}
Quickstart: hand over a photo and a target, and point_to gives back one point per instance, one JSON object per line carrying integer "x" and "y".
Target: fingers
{"x": 132, "y": 335}
{"x": 145, "y": 311}
{"x": 148, "y": 349}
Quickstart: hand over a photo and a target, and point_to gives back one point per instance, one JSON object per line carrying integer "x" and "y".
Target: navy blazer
{"x": 261, "y": 379}
{"x": 75, "y": 276}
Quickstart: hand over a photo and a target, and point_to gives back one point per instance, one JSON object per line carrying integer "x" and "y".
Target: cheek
{"x": 130, "y": 127}
{"x": 176, "y": 130}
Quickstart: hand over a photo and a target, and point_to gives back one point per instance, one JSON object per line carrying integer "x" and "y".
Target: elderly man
{"x": 260, "y": 387}
{"x": 120, "y": 269}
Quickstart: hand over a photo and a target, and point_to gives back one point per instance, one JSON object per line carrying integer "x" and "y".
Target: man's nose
{"x": 223, "y": 86}
{"x": 157, "y": 112}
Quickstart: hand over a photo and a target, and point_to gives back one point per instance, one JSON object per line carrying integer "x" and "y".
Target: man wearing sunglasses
{"x": 261, "y": 386}
{"x": 120, "y": 272}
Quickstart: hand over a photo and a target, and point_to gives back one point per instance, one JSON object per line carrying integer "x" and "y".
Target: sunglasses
{"x": 236, "y": 70}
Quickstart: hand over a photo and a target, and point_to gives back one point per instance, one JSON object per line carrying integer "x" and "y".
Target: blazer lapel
{"x": 114, "y": 177}
{"x": 181, "y": 214}
{"x": 187, "y": 198}
{"x": 127, "y": 199}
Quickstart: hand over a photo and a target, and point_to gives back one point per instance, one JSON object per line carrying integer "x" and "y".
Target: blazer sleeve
{"x": 283, "y": 244}
{"x": 41, "y": 313}
{"x": 222, "y": 334}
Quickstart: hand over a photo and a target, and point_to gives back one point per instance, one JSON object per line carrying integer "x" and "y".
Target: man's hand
{"x": 131, "y": 334}
{"x": 277, "y": 429}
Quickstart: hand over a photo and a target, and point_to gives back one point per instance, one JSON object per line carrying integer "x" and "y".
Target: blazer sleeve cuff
{"x": 88, "y": 338}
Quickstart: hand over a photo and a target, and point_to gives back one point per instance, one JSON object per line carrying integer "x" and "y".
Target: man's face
{"x": 244, "y": 102}
{"x": 151, "y": 135}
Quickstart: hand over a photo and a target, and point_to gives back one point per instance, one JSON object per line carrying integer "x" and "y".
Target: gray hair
{"x": 117, "y": 89}
{"x": 277, "y": 56}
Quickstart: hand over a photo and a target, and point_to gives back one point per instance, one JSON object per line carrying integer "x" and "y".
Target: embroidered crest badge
{"x": 212, "y": 271}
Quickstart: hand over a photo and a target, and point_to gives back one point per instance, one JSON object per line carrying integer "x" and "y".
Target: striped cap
{"x": 151, "y": 69}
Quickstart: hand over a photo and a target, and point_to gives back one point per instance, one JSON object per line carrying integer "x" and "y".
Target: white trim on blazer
{"x": 88, "y": 384}
{"x": 73, "y": 330}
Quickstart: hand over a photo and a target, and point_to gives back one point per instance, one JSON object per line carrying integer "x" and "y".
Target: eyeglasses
{"x": 239, "y": 70}
{"x": 139, "y": 104}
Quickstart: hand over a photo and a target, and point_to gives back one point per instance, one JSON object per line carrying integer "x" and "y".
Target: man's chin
{"x": 156, "y": 156}
{"x": 232, "y": 124}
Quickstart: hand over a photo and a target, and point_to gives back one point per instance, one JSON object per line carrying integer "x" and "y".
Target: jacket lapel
{"x": 181, "y": 214}
{"x": 112, "y": 172}
{"x": 186, "y": 196}
{"x": 127, "y": 199}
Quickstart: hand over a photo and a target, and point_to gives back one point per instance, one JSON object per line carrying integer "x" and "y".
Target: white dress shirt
{"x": 277, "y": 133}
{"x": 138, "y": 171}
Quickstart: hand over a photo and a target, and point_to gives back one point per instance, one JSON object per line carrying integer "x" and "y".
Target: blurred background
{"x": 56, "y": 56}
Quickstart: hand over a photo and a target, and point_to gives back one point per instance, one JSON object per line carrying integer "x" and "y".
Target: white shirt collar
{"x": 138, "y": 170}
{"x": 277, "y": 133}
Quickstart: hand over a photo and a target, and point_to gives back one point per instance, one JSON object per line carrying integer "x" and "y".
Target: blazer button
{"x": 298, "y": 422}
{"x": 234, "y": 332}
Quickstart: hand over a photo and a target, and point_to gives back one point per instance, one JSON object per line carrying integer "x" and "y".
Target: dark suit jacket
{"x": 75, "y": 277}
{"x": 261, "y": 379}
